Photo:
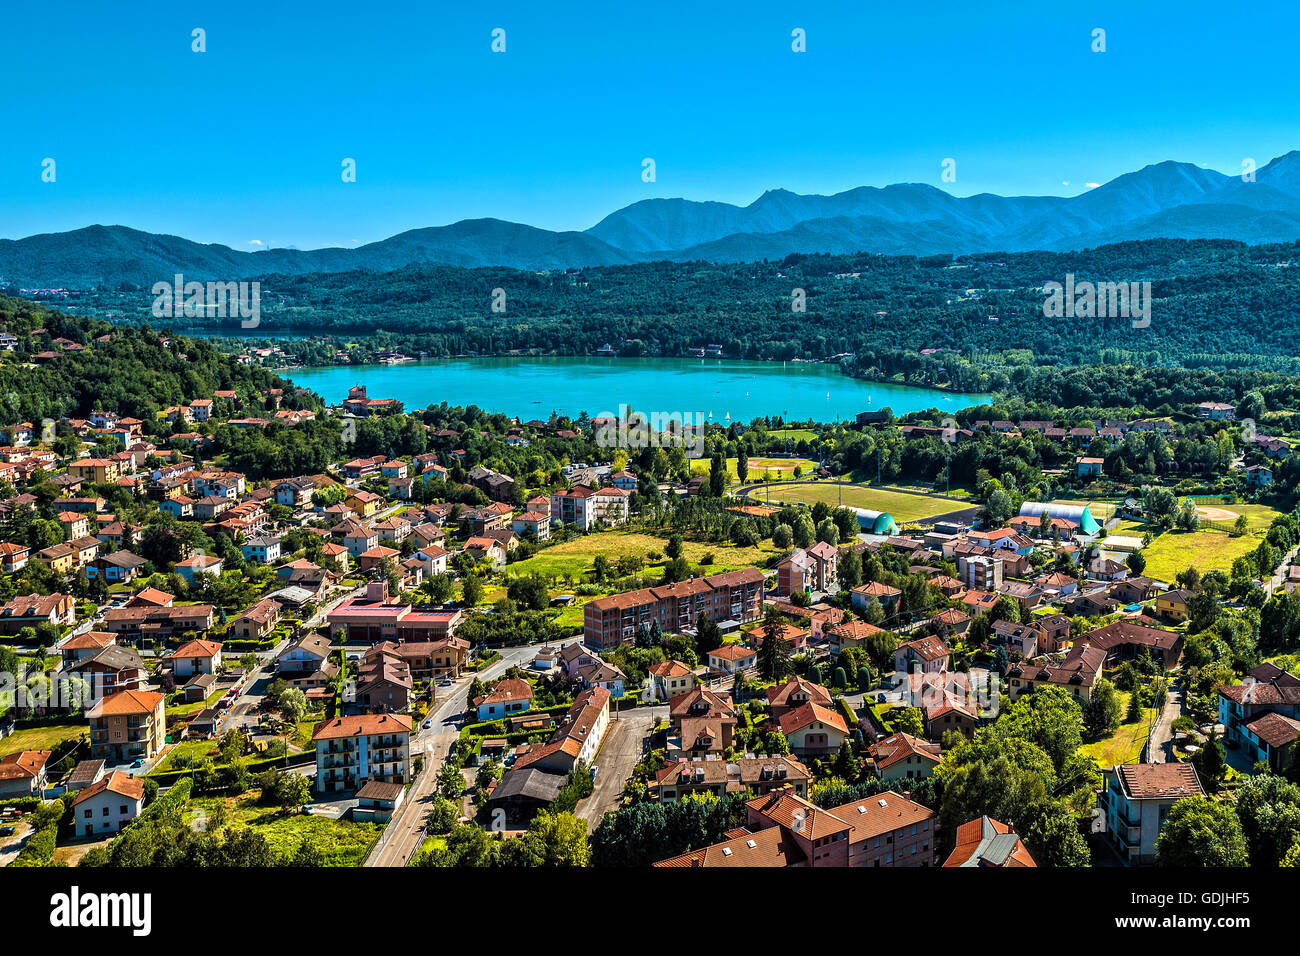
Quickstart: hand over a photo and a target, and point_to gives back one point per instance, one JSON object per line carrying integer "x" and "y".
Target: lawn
{"x": 902, "y": 506}
{"x": 340, "y": 842}
{"x": 188, "y": 710}
{"x": 794, "y": 434}
{"x": 575, "y": 557}
{"x": 1125, "y": 744}
{"x": 44, "y": 737}
{"x": 1206, "y": 549}
{"x": 760, "y": 469}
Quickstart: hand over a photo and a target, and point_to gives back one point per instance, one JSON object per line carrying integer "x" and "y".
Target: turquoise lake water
{"x": 535, "y": 387}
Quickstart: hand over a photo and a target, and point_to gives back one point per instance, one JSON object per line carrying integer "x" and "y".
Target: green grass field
{"x": 902, "y": 506}
{"x": 576, "y": 557}
{"x": 760, "y": 469}
{"x": 1205, "y": 549}
{"x": 340, "y": 842}
{"x": 42, "y": 738}
{"x": 794, "y": 434}
{"x": 1125, "y": 744}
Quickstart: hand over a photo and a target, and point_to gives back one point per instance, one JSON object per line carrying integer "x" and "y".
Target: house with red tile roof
{"x": 986, "y": 842}
{"x": 107, "y": 805}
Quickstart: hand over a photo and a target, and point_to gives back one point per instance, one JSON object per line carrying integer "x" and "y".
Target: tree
{"x": 849, "y": 570}
{"x": 782, "y": 537}
{"x": 451, "y": 783}
{"x": 1201, "y": 832}
{"x": 717, "y": 475}
{"x": 742, "y": 464}
{"x": 1101, "y": 713}
{"x": 1136, "y": 562}
{"x": 773, "y": 657}
{"x": 910, "y": 720}
{"x": 1134, "y": 712}
{"x": 471, "y": 590}
{"x": 1211, "y": 761}
{"x": 442, "y": 815}
{"x": 674, "y": 547}
{"x": 1269, "y": 809}
{"x": 998, "y": 507}
{"x": 293, "y": 705}
{"x": 804, "y": 531}
{"x": 556, "y": 839}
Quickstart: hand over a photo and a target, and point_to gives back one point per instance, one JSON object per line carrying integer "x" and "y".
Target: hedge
{"x": 174, "y": 777}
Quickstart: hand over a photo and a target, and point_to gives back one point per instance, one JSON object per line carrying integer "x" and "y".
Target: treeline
{"x": 1214, "y": 303}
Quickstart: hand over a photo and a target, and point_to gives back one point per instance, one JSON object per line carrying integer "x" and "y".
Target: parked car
{"x": 444, "y": 682}
{"x": 6, "y": 831}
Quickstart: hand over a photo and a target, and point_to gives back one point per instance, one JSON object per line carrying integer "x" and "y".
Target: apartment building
{"x": 733, "y": 595}
{"x": 350, "y": 751}
{"x": 127, "y": 725}
{"x": 585, "y": 506}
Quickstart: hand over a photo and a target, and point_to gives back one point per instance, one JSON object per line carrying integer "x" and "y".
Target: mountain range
{"x": 1165, "y": 200}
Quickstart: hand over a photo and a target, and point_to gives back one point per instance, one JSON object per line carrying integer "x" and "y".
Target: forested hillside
{"x": 1215, "y": 304}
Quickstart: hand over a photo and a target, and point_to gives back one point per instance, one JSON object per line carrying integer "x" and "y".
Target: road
{"x": 403, "y": 835}
{"x": 1280, "y": 574}
{"x": 1158, "y": 746}
{"x": 620, "y": 751}
{"x": 245, "y": 712}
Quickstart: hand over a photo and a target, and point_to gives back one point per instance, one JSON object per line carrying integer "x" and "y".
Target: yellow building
{"x": 98, "y": 470}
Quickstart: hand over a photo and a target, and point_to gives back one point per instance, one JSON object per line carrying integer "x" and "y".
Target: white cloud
{"x": 1065, "y": 182}
{"x": 255, "y": 242}
{"x": 1092, "y": 185}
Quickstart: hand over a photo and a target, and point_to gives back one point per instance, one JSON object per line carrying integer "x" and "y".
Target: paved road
{"x": 1160, "y": 743}
{"x": 403, "y": 835}
{"x": 1281, "y": 573}
{"x": 620, "y": 751}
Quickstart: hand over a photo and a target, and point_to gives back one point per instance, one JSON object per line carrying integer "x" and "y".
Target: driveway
{"x": 11, "y": 846}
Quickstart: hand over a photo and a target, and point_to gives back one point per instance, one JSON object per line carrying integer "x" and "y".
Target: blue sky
{"x": 243, "y": 144}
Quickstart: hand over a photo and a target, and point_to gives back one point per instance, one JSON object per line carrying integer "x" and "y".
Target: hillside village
{"x": 494, "y": 651}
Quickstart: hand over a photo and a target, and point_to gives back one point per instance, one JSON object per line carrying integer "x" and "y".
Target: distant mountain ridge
{"x": 1169, "y": 200}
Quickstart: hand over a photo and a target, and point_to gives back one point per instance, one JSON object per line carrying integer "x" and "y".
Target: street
{"x": 619, "y": 752}
{"x": 403, "y": 834}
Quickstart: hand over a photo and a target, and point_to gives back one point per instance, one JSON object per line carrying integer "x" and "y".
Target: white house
{"x": 108, "y": 805}
{"x": 196, "y": 657}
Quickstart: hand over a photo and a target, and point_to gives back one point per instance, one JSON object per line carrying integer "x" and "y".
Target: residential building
{"x": 614, "y": 620}
{"x": 984, "y": 842}
{"x": 127, "y": 725}
{"x": 23, "y": 774}
{"x": 196, "y": 657}
{"x": 353, "y": 750}
{"x": 1136, "y": 801}
{"x": 106, "y": 806}
{"x": 506, "y": 697}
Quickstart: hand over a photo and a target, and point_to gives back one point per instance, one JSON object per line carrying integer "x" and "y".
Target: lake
{"x": 534, "y": 387}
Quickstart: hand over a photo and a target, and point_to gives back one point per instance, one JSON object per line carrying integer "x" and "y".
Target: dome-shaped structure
{"x": 1079, "y": 514}
{"x": 875, "y": 522}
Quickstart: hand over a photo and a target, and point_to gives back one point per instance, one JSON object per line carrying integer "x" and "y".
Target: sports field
{"x": 902, "y": 506}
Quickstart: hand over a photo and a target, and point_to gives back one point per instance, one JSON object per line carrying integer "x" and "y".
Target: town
{"x": 254, "y": 626}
